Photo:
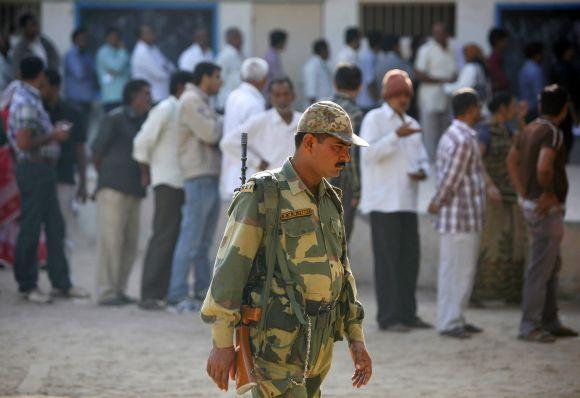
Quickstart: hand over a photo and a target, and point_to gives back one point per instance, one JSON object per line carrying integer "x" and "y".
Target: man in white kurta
{"x": 270, "y": 133}
{"x": 391, "y": 169}
{"x": 243, "y": 103}
{"x": 230, "y": 60}
{"x": 149, "y": 63}
{"x": 199, "y": 51}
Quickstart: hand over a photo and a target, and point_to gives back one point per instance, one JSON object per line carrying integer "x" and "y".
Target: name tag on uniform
{"x": 296, "y": 213}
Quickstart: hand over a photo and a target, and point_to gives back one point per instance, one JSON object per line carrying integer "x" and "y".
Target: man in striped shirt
{"x": 459, "y": 204}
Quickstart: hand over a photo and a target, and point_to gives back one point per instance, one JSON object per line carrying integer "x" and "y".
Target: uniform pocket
{"x": 281, "y": 330}
{"x": 300, "y": 238}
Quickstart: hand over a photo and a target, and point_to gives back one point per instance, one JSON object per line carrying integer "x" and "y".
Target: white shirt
{"x": 437, "y": 62}
{"x": 192, "y": 56}
{"x": 471, "y": 75}
{"x": 149, "y": 63}
{"x": 368, "y": 62}
{"x": 39, "y": 50}
{"x": 230, "y": 60}
{"x": 157, "y": 142}
{"x": 242, "y": 103}
{"x": 347, "y": 54}
{"x": 270, "y": 140}
{"x": 317, "y": 79}
{"x": 385, "y": 164}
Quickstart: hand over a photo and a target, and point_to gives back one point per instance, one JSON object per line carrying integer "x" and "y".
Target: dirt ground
{"x": 77, "y": 349}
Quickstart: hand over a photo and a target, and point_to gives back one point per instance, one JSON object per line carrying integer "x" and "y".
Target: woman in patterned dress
{"x": 503, "y": 249}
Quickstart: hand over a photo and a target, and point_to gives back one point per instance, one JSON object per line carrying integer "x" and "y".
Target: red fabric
{"x": 10, "y": 211}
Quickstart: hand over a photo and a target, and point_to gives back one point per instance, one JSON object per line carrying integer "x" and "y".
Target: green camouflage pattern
{"x": 313, "y": 241}
{"x": 327, "y": 117}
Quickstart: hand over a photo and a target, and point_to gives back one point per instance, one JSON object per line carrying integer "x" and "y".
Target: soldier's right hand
{"x": 221, "y": 364}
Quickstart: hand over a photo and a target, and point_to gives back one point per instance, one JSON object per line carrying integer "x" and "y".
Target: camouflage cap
{"x": 327, "y": 117}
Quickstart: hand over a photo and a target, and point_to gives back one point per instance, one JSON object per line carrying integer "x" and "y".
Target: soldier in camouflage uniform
{"x": 311, "y": 300}
{"x": 347, "y": 83}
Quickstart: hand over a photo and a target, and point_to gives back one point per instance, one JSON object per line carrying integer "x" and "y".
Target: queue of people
{"x": 178, "y": 131}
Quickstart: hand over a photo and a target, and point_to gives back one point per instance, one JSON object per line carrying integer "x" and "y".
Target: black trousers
{"x": 39, "y": 207}
{"x": 395, "y": 238}
{"x": 159, "y": 256}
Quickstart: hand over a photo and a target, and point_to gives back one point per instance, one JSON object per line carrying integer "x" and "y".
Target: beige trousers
{"x": 118, "y": 219}
{"x": 66, "y": 196}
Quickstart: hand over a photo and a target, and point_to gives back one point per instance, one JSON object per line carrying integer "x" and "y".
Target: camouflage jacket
{"x": 350, "y": 176}
{"x": 312, "y": 236}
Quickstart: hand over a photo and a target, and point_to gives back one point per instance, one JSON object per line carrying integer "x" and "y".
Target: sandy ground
{"x": 77, "y": 349}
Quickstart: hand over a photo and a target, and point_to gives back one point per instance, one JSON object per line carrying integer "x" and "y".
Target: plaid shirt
{"x": 460, "y": 185}
{"x": 27, "y": 112}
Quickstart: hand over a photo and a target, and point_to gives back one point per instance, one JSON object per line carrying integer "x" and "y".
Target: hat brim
{"x": 350, "y": 138}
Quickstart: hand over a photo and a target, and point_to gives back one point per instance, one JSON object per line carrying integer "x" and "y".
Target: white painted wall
{"x": 239, "y": 14}
{"x": 57, "y": 21}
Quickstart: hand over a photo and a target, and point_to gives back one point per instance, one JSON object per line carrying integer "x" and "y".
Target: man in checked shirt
{"x": 459, "y": 204}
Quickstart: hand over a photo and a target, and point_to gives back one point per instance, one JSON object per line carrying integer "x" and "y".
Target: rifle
{"x": 245, "y": 379}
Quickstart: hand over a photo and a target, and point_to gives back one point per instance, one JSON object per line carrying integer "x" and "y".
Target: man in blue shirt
{"x": 113, "y": 69}
{"x": 531, "y": 78}
{"x": 79, "y": 76}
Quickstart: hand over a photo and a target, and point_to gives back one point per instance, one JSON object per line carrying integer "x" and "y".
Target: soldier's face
{"x": 330, "y": 156}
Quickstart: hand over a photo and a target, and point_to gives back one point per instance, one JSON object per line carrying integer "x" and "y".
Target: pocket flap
{"x": 298, "y": 226}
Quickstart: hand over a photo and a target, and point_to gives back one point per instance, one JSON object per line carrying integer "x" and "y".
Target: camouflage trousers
{"x": 283, "y": 377}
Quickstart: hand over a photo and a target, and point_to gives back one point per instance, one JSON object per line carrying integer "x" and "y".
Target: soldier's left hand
{"x": 363, "y": 367}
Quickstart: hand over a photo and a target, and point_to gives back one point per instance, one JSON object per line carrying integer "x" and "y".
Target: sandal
{"x": 538, "y": 336}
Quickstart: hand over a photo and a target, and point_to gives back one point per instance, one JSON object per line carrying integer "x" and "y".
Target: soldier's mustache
{"x": 340, "y": 164}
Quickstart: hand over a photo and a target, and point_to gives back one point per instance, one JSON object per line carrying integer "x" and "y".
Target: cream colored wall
{"x": 339, "y": 15}
{"x": 303, "y": 22}
{"x": 57, "y": 22}
{"x": 239, "y": 14}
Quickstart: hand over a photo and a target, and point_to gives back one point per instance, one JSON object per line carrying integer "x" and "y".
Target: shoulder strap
{"x": 267, "y": 182}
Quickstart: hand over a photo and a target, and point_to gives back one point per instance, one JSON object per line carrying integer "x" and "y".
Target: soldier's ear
{"x": 308, "y": 142}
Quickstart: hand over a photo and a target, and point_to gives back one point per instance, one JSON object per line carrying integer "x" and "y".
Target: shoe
{"x": 563, "y": 331}
{"x": 73, "y": 292}
{"x": 471, "y": 328}
{"x": 181, "y": 307}
{"x": 418, "y": 323}
{"x": 396, "y": 328}
{"x": 456, "y": 333}
{"x": 128, "y": 299}
{"x": 152, "y": 305}
{"x": 538, "y": 336}
{"x": 113, "y": 302}
{"x": 37, "y": 297}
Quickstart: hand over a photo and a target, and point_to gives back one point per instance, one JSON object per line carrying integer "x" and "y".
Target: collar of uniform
{"x": 295, "y": 183}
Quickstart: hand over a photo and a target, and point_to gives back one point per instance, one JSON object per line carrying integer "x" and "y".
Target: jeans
{"x": 39, "y": 207}
{"x": 539, "y": 305}
{"x": 198, "y": 222}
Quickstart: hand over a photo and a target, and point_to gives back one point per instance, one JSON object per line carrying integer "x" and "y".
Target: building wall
{"x": 57, "y": 19}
